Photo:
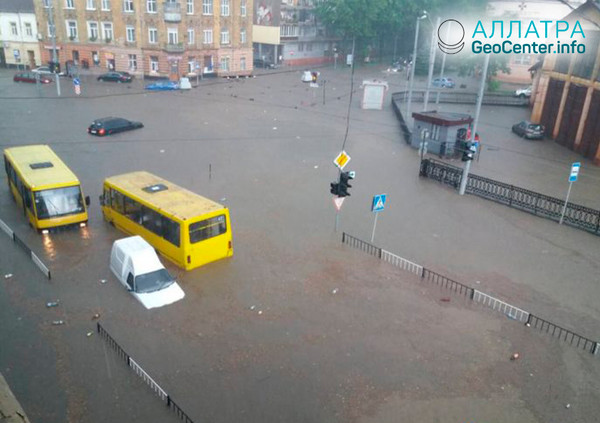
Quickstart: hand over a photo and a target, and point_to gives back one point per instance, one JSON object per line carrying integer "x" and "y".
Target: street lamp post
{"x": 53, "y": 36}
{"x": 431, "y": 63}
{"x": 465, "y": 175}
{"x": 412, "y": 67}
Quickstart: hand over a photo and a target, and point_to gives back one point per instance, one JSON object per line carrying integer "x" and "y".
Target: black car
{"x": 111, "y": 125}
{"x": 115, "y": 77}
{"x": 528, "y": 130}
{"x": 264, "y": 64}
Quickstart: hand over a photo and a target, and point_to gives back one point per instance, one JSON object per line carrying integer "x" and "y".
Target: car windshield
{"x": 153, "y": 281}
{"x": 58, "y": 202}
{"x": 535, "y": 127}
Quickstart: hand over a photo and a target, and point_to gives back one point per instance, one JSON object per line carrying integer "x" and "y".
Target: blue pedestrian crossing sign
{"x": 76, "y": 81}
{"x": 378, "y": 203}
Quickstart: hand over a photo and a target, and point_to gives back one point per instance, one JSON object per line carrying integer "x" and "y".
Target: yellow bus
{"x": 186, "y": 228}
{"x": 45, "y": 188}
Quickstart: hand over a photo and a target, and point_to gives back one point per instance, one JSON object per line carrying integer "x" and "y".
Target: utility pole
{"x": 53, "y": 35}
{"x": 465, "y": 175}
{"x": 437, "y": 99}
{"x": 431, "y": 63}
{"x": 412, "y": 68}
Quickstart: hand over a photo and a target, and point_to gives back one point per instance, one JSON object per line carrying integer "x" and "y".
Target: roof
{"x": 17, "y": 6}
{"x": 443, "y": 118}
{"x": 175, "y": 200}
{"x": 142, "y": 255}
{"x": 57, "y": 174}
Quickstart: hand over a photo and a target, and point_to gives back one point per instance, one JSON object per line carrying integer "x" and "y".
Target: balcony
{"x": 174, "y": 48}
{"x": 172, "y": 12}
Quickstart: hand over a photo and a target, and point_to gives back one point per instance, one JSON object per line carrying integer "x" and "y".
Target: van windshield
{"x": 153, "y": 281}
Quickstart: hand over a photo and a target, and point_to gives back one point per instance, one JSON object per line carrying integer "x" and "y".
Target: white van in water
{"x": 135, "y": 263}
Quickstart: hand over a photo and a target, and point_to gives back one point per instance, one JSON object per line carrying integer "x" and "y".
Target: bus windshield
{"x": 58, "y": 202}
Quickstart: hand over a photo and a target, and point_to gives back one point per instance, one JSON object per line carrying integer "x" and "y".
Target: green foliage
{"x": 494, "y": 85}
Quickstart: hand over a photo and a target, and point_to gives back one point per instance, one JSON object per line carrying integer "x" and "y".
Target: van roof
{"x": 142, "y": 255}
{"x": 167, "y": 196}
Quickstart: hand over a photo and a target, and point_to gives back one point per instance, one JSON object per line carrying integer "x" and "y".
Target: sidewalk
{"x": 10, "y": 409}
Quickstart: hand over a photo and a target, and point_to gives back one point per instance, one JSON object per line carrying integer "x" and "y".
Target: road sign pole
{"x": 562, "y": 215}
{"x": 374, "y": 226}
{"x": 337, "y": 220}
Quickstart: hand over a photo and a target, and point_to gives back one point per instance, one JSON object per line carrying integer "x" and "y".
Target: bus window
{"x": 117, "y": 201}
{"x": 208, "y": 228}
{"x": 133, "y": 210}
{"x": 58, "y": 202}
{"x": 171, "y": 231}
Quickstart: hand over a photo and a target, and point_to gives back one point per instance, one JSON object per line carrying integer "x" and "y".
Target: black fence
{"x": 479, "y": 297}
{"x": 563, "y": 334}
{"x": 448, "y": 283}
{"x": 142, "y": 373}
{"x": 36, "y": 260}
{"x": 361, "y": 245}
{"x": 578, "y": 216}
{"x": 403, "y": 126}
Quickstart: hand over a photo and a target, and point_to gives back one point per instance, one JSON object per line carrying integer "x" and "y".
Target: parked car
{"x": 111, "y": 125}
{"x": 264, "y": 64}
{"x": 523, "y": 92}
{"x": 31, "y": 78}
{"x": 115, "y": 77}
{"x": 163, "y": 85}
{"x": 443, "y": 83}
{"x": 135, "y": 264}
{"x": 528, "y": 130}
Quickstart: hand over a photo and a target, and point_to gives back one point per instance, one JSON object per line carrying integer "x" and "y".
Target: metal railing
{"x": 401, "y": 263}
{"x": 576, "y": 215}
{"x": 461, "y": 97}
{"x": 162, "y": 394}
{"x": 511, "y": 311}
{"x": 563, "y": 334}
{"x": 361, "y": 245}
{"x": 445, "y": 282}
{"x": 514, "y": 313}
{"x": 36, "y": 260}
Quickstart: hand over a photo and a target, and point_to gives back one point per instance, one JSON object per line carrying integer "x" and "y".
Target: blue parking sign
{"x": 76, "y": 81}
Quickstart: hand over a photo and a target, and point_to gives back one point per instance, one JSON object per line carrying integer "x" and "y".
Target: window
{"x": 207, "y": 7}
{"x": 151, "y": 6}
{"x": 243, "y": 8}
{"x": 107, "y": 30}
{"x": 190, "y": 7}
{"x": 117, "y": 201}
{"x": 13, "y": 28}
{"x": 72, "y": 29}
{"x": 105, "y": 4}
{"x": 93, "y": 31}
{"x": 300, "y": 46}
{"x": 69, "y": 4}
{"x": 243, "y": 36}
{"x": 191, "y": 38}
{"x": 309, "y": 46}
{"x": 208, "y": 36}
{"x": 172, "y": 36}
{"x": 28, "y": 29}
{"x": 225, "y": 36}
{"x": 208, "y": 228}
{"x": 225, "y": 64}
{"x": 132, "y": 62}
{"x": 153, "y": 63}
{"x": 224, "y": 7}
{"x": 128, "y": 5}
{"x": 191, "y": 64}
{"x": 152, "y": 35}
{"x": 242, "y": 63}
{"x": 90, "y": 4}
{"x": 50, "y": 30}
{"x": 130, "y": 31}
{"x": 133, "y": 209}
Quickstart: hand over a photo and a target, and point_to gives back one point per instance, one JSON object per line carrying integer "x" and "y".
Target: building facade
{"x": 150, "y": 37}
{"x": 18, "y": 35}
{"x": 566, "y": 90}
{"x": 287, "y": 31}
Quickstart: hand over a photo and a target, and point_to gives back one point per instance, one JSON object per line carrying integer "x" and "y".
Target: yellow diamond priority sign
{"x": 342, "y": 160}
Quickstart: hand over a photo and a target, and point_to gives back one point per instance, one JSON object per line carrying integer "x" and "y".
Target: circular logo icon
{"x": 451, "y": 34}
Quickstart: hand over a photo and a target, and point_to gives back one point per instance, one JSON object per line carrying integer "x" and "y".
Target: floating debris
{"x": 96, "y": 316}
{"x": 515, "y": 356}
{"x": 334, "y": 291}
{"x": 259, "y": 311}
{"x": 445, "y": 300}
{"x": 58, "y": 322}
{"x": 252, "y": 307}
{"x": 89, "y": 334}
{"x": 102, "y": 280}
{"x": 52, "y": 303}
{"x": 8, "y": 276}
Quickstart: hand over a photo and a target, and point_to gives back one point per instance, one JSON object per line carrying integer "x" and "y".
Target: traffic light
{"x": 468, "y": 152}
{"x": 344, "y": 185}
{"x": 335, "y": 188}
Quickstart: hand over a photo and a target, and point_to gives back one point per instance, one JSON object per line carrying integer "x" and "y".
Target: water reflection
{"x": 49, "y": 246}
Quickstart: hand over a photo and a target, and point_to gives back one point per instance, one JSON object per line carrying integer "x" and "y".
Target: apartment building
{"x": 150, "y": 37}
{"x": 566, "y": 89}
{"x": 19, "y": 45}
{"x": 287, "y": 31}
